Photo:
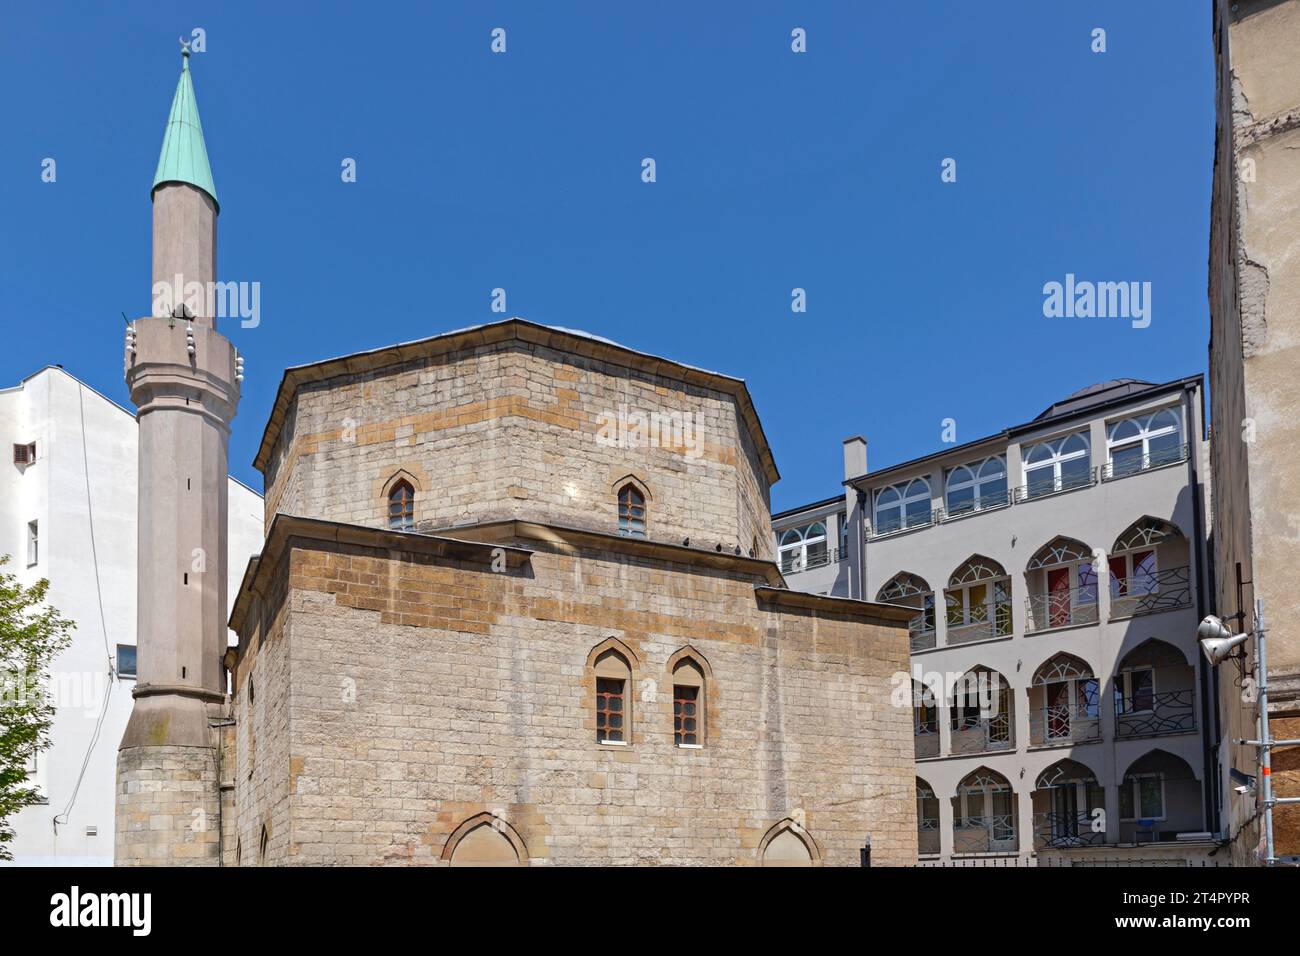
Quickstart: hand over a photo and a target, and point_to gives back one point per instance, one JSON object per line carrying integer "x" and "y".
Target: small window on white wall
{"x": 126, "y": 660}
{"x": 33, "y": 543}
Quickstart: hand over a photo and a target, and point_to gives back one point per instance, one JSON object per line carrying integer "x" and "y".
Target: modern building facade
{"x": 68, "y": 514}
{"x": 1056, "y": 573}
{"x": 1254, "y": 291}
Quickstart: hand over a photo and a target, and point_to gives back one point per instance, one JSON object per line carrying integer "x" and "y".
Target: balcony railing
{"x": 903, "y": 523}
{"x": 1063, "y": 724}
{"x": 1056, "y": 830}
{"x": 925, "y": 741}
{"x": 921, "y": 632}
{"x": 1134, "y": 465}
{"x": 991, "y": 834}
{"x": 988, "y": 502}
{"x": 1165, "y": 590}
{"x": 1062, "y": 608}
{"x": 817, "y": 559}
{"x": 998, "y": 624}
{"x": 984, "y": 734}
{"x": 1043, "y": 487}
{"x": 927, "y": 835}
{"x": 1151, "y": 715}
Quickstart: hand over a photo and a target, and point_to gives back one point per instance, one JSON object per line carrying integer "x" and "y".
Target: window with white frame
{"x": 33, "y": 543}
{"x": 979, "y": 593}
{"x": 844, "y": 536}
{"x": 126, "y": 661}
{"x": 977, "y": 486}
{"x": 803, "y": 547}
{"x": 1142, "y": 797}
{"x": 1057, "y": 465}
{"x": 1146, "y": 441}
{"x": 905, "y": 505}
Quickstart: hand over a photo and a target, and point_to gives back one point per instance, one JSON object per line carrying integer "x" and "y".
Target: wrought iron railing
{"x": 1135, "y": 465}
{"x": 1165, "y": 590}
{"x": 1151, "y": 715}
{"x": 990, "y": 625}
{"x": 1063, "y": 724}
{"x": 1056, "y": 830}
{"x": 1043, "y": 487}
{"x": 902, "y": 523}
{"x": 921, "y": 631}
{"x": 984, "y": 734}
{"x": 987, "y": 502}
{"x": 1062, "y": 608}
{"x": 925, "y": 741}
{"x": 988, "y": 834}
{"x": 817, "y": 559}
{"x": 927, "y": 835}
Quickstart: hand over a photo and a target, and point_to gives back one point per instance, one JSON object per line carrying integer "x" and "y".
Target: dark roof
{"x": 1095, "y": 395}
{"x": 825, "y": 502}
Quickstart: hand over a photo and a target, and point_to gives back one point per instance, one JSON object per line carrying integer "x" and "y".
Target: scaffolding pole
{"x": 1266, "y": 743}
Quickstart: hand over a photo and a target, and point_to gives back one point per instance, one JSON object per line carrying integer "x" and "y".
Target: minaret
{"x": 183, "y": 378}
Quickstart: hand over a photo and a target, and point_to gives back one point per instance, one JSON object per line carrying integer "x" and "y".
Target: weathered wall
{"x": 511, "y": 430}
{"x": 1255, "y": 330}
{"x": 425, "y": 691}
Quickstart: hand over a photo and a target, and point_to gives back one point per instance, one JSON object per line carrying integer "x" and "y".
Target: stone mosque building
{"x": 517, "y": 605}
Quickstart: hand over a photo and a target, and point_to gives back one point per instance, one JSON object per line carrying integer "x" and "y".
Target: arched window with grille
{"x": 902, "y": 506}
{"x": 401, "y": 507}
{"x": 1058, "y": 465}
{"x": 977, "y": 487}
{"x": 1147, "y": 441}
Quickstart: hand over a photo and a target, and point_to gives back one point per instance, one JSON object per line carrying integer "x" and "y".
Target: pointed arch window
{"x": 978, "y": 601}
{"x": 613, "y": 676}
{"x": 401, "y": 507}
{"x": 977, "y": 487}
{"x": 631, "y": 511}
{"x": 688, "y": 704}
{"x": 902, "y": 506}
{"x": 1058, "y": 465}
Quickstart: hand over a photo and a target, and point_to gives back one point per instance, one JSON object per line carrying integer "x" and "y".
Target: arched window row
{"x": 614, "y": 705}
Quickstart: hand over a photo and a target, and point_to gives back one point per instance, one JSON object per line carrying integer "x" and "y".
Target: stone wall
{"x": 168, "y": 812}
{"x": 423, "y": 691}
{"x": 513, "y": 429}
{"x": 1254, "y": 291}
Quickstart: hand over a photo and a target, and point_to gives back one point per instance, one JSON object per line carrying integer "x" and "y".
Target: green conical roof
{"x": 184, "y": 158}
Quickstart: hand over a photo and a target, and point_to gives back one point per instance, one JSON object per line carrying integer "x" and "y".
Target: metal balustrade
{"x": 925, "y": 741}
{"x": 902, "y": 523}
{"x": 1036, "y": 488}
{"x": 817, "y": 559}
{"x": 1136, "y": 465}
{"x": 1166, "y": 590}
{"x": 996, "y": 624}
{"x": 1154, "y": 714}
{"x": 1063, "y": 724}
{"x": 1057, "y": 830}
{"x": 1062, "y": 608}
{"x": 984, "y": 734}
{"x": 987, "y": 834}
{"x": 927, "y": 835}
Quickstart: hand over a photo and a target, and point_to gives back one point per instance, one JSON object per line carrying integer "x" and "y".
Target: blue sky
{"x": 522, "y": 170}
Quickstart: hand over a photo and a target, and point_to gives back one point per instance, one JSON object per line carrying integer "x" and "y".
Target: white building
{"x": 68, "y": 513}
